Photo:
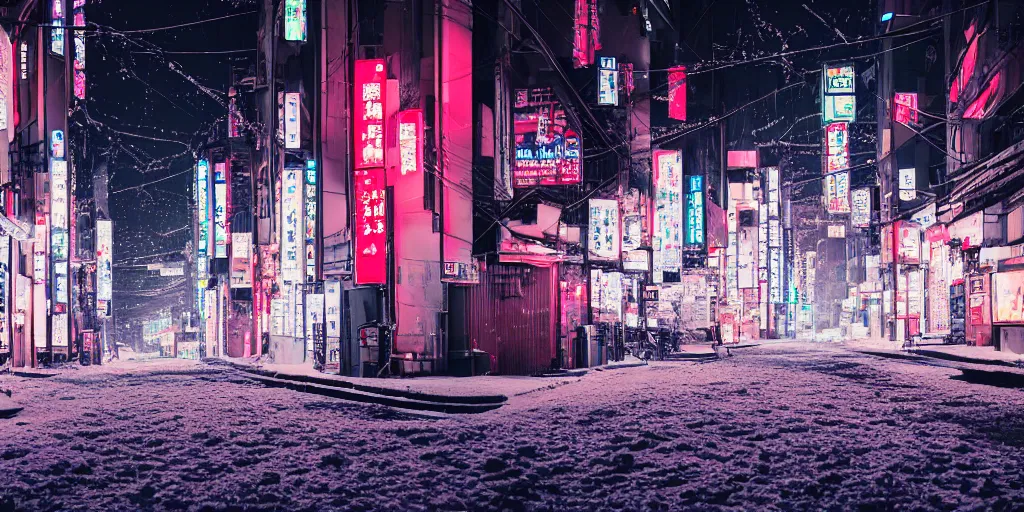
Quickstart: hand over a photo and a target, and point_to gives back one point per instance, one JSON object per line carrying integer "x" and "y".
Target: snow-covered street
{"x": 791, "y": 426}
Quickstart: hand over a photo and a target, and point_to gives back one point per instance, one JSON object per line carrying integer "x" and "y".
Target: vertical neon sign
{"x": 57, "y": 30}
{"x": 291, "y": 201}
{"x": 78, "y": 12}
{"x": 104, "y": 264}
{"x": 695, "y": 211}
{"x": 369, "y": 116}
{"x": 295, "y": 20}
{"x": 668, "y": 212}
{"x": 677, "y": 93}
{"x": 221, "y": 210}
{"x": 410, "y": 137}
{"x": 369, "y": 178}
{"x": 203, "y": 216}
{"x": 311, "y": 207}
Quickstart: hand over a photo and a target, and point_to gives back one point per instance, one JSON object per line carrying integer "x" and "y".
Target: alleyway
{"x": 794, "y": 426}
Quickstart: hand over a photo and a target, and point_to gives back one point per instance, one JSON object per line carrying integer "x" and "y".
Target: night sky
{"x": 134, "y": 96}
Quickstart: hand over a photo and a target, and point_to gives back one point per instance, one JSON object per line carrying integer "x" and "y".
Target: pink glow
{"x": 677, "y": 93}
{"x": 967, "y": 68}
{"x": 905, "y": 107}
{"x": 410, "y": 141}
{"x": 370, "y": 227}
{"x": 986, "y": 100}
{"x": 368, "y": 122}
{"x": 741, "y": 159}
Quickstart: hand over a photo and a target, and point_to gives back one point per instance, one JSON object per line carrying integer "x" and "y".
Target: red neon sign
{"x": 370, "y": 227}
{"x": 677, "y": 93}
{"x": 368, "y": 122}
{"x": 410, "y": 141}
{"x": 905, "y": 107}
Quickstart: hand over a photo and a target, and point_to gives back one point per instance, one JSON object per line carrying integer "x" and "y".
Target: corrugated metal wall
{"x": 513, "y": 315}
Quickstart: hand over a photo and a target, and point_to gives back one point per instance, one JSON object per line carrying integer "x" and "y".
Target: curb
{"x": 935, "y": 354}
{"x": 459, "y": 404}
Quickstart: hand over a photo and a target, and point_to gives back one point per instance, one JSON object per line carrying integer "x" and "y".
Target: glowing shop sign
{"x": 57, "y": 144}
{"x": 860, "y": 215}
{"x": 104, "y": 266}
{"x": 604, "y": 234}
{"x": 607, "y": 81}
{"x": 775, "y": 276}
{"x": 221, "y": 210}
{"x": 241, "y": 260}
{"x": 837, "y": 192}
{"x": 370, "y": 227}
{"x": 311, "y": 206}
{"x": 586, "y": 33}
{"x": 668, "y": 211}
{"x": 79, "y": 42}
{"x": 292, "y": 120}
{"x": 23, "y": 59}
{"x": 839, "y": 101}
{"x": 837, "y": 147}
{"x": 677, "y": 93}
{"x": 905, "y": 107}
{"x": 203, "y": 211}
{"x": 410, "y": 141}
{"x": 695, "y": 212}
{"x": 547, "y": 151}
{"x": 295, "y": 20}
{"x": 370, "y": 80}
{"x": 57, "y": 30}
{"x": 291, "y": 203}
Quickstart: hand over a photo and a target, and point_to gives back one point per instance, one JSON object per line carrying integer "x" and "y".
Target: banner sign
{"x": 548, "y": 152}
{"x": 311, "y": 207}
{"x": 668, "y": 211}
{"x": 79, "y": 41}
{"x": 604, "y": 229}
{"x": 695, "y": 211}
{"x": 839, "y": 101}
{"x": 607, "y": 81}
{"x": 410, "y": 141}
{"x": 295, "y": 20}
{"x": 291, "y": 204}
{"x": 677, "y": 93}
{"x": 104, "y": 266}
{"x": 370, "y": 79}
{"x": 241, "y": 260}
{"x": 203, "y": 216}
{"x": 220, "y": 210}
{"x": 837, "y": 192}
{"x": 860, "y": 216}
{"x": 905, "y": 108}
{"x": 57, "y": 27}
{"x": 837, "y": 147}
{"x": 370, "y": 227}
{"x": 908, "y": 184}
{"x": 292, "y": 120}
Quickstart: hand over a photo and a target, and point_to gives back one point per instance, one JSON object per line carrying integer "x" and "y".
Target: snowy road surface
{"x": 804, "y": 427}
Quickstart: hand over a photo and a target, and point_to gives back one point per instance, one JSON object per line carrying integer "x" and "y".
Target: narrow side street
{"x": 788, "y": 426}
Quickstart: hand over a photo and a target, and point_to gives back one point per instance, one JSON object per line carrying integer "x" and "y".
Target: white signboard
{"x": 860, "y": 215}
{"x": 332, "y": 308}
{"x": 314, "y": 315}
{"x": 104, "y": 263}
{"x": 604, "y": 233}
{"x": 908, "y": 184}
{"x": 290, "y": 221}
{"x": 292, "y": 130}
{"x": 837, "y": 192}
{"x": 925, "y": 217}
{"x": 837, "y": 231}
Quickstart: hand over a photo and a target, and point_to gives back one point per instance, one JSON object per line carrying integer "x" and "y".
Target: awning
{"x": 12, "y": 229}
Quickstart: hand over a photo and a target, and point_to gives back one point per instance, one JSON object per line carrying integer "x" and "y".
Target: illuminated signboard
{"x": 677, "y": 93}
{"x": 604, "y": 233}
{"x": 59, "y": 242}
{"x": 291, "y": 203}
{"x": 837, "y": 192}
{"x": 7, "y": 57}
{"x": 292, "y": 120}
{"x": 860, "y": 215}
{"x": 410, "y": 141}
{"x": 57, "y": 30}
{"x": 57, "y": 144}
{"x": 908, "y": 184}
{"x": 607, "y": 81}
{"x": 547, "y": 151}
{"x": 370, "y": 227}
{"x": 839, "y": 102}
{"x": 668, "y": 211}
{"x": 837, "y": 147}
{"x": 368, "y": 121}
{"x": 203, "y": 212}
{"x": 79, "y": 42}
{"x": 295, "y": 20}
{"x": 311, "y": 206}
{"x": 695, "y": 211}
{"x": 1007, "y": 297}
{"x": 104, "y": 266}
{"x": 241, "y": 260}
{"x": 905, "y": 107}
{"x": 23, "y": 59}
{"x": 586, "y": 33}
{"x": 837, "y": 231}
{"x": 221, "y": 210}
{"x": 775, "y": 275}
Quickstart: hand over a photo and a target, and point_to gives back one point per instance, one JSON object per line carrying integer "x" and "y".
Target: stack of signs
{"x": 837, "y": 147}
{"x": 839, "y": 102}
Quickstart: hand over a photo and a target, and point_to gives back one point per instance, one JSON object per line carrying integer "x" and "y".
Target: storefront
{"x": 1007, "y": 296}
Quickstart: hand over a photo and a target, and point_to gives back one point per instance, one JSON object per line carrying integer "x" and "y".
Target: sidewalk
{"x": 959, "y": 353}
